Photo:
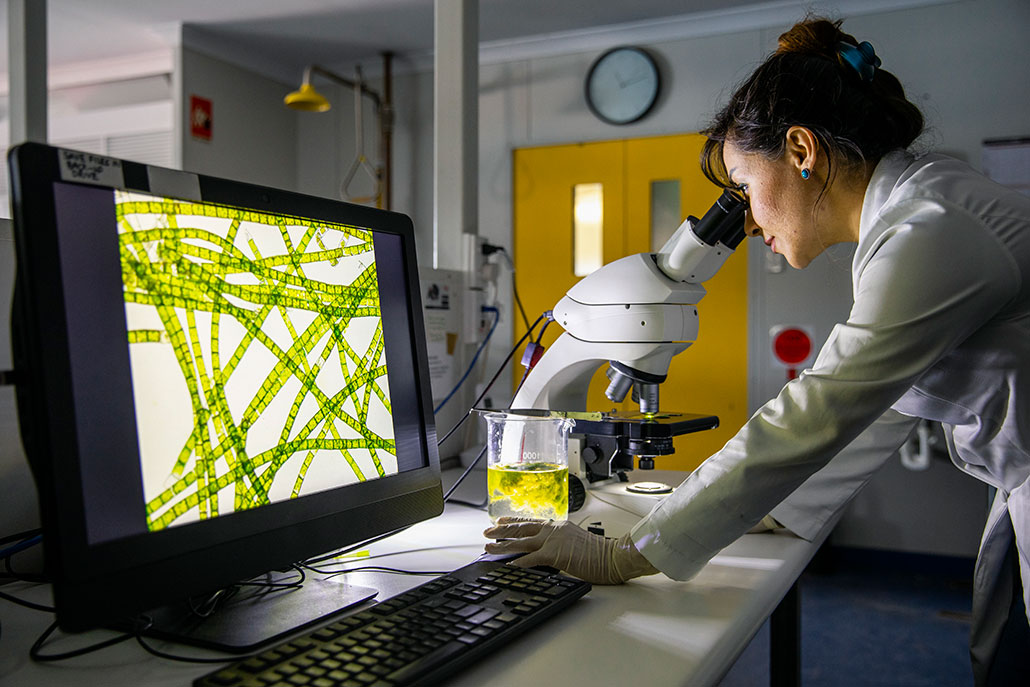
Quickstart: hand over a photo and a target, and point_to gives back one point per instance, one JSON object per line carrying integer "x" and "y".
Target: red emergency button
{"x": 792, "y": 346}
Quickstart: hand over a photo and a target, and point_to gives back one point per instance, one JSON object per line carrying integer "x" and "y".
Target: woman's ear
{"x": 802, "y": 149}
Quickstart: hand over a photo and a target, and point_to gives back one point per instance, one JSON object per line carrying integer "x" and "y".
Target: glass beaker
{"x": 528, "y": 465}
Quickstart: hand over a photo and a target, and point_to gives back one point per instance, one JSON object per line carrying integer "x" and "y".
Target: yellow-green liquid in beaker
{"x": 530, "y": 490}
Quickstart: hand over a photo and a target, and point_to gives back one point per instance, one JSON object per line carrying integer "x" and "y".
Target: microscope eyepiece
{"x": 724, "y": 221}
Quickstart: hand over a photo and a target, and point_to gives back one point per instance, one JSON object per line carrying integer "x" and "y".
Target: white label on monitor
{"x": 88, "y": 168}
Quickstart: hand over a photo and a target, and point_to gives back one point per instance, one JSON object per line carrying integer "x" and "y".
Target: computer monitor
{"x": 214, "y": 380}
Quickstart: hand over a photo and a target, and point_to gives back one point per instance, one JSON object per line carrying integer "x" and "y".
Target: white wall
{"x": 253, "y": 134}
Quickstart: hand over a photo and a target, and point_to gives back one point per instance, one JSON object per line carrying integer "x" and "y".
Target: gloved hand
{"x": 565, "y": 546}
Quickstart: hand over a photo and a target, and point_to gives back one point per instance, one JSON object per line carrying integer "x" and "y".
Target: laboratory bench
{"x": 651, "y": 630}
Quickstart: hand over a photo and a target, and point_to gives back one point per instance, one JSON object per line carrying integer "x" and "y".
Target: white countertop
{"x": 652, "y": 628}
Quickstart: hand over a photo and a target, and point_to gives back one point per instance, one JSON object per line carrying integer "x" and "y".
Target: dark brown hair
{"x": 807, "y": 83}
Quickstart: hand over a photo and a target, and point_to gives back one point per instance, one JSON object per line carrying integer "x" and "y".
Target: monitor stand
{"x": 256, "y": 616}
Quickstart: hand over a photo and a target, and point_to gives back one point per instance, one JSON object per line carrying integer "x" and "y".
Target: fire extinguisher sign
{"x": 200, "y": 118}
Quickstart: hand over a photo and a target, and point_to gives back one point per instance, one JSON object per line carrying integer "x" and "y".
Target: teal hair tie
{"x": 862, "y": 58}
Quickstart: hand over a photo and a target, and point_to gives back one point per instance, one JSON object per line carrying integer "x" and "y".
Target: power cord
{"x": 144, "y": 623}
{"x": 475, "y": 358}
{"x": 493, "y": 379}
{"x": 489, "y": 249}
{"x": 22, "y": 541}
{"x": 36, "y": 654}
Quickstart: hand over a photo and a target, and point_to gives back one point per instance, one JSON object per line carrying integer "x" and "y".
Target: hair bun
{"x": 814, "y": 37}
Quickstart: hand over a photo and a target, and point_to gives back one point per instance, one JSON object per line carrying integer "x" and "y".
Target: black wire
{"x": 343, "y": 552}
{"x": 514, "y": 288}
{"x": 27, "y": 534}
{"x": 22, "y": 538}
{"x": 481, "y": 505}
{"x": 23, "y": 545}
{"x": 522, "y": 381}
{"x": 27, "y": 604}
{"x": 11, "y": 574}
{"x": 209, "y": 605}
{"x": 276, "y": 586}
{"x": 464, "y": 474}
{"x": 384, "y": 569}
{"x": 518, "y": 301}
{"x": 493, "y": 379}
{"x": 36, "y": 655}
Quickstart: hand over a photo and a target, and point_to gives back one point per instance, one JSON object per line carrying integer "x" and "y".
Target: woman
{"x": 815, "y": 140}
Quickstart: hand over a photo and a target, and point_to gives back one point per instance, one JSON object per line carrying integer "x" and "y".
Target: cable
{"x": 493, "y": 379}
{"x": 27, "y": 604}
{"x": 36, "y": 655}
{"x": 11, "y": 574}
{"x": 20, "y": 535}
{"x": 384, "y": 569}
{"x": 21, "y": 546}
{"x": 518, "y": 301}
{"x": 514, "y": 286}
{"x": 472, "y": 365}
{"x": 522, "y": 381}
{"x": 490, "y": 249}
{"x": 464, "y": 474}
{"x": 539, "y": 338}
{"x": 354, "y": 547}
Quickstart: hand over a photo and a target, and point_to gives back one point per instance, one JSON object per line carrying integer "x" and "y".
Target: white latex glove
{"x": 766, "y": 524}
{"x": 565, "y": 546}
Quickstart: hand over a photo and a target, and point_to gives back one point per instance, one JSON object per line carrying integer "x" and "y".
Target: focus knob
{"x": 577, "y": 494}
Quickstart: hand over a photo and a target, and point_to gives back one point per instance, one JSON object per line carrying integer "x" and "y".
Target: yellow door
{"x": 648, "y": 185}
{"x": 545, "y": 187}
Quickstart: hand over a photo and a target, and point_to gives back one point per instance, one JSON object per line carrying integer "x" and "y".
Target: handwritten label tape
{"x": 88, "y": 168}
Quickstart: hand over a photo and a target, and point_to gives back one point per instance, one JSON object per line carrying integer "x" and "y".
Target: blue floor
{"x": 873, "y": 619}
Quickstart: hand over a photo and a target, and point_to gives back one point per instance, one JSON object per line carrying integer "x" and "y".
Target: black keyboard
{"x": 416, "y": 638}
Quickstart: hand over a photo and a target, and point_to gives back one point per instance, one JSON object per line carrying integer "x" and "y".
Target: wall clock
{"x": 622, "y": 85}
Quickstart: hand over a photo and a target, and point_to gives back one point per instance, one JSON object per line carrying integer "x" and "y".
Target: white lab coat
{"x": 939, "y": 329}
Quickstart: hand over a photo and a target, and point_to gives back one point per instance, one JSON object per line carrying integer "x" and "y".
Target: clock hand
{"x": 641, "y": 77}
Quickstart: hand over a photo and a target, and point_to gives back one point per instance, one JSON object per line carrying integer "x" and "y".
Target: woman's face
{"x": 782, "y": 203}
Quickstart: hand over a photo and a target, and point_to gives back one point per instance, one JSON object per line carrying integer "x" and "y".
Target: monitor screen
{"x": 215, "y": 379}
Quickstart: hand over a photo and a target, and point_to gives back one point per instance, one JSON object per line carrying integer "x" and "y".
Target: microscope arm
{"x": 635, "y": 313}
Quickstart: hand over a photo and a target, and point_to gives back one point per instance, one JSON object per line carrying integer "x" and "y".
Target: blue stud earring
{"x": 805, "y": 174}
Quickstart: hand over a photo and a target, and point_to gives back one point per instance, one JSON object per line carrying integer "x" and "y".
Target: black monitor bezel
{"x": 106, "y": 582}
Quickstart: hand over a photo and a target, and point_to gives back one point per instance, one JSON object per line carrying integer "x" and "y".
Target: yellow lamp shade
{"x": 307, "y": 99}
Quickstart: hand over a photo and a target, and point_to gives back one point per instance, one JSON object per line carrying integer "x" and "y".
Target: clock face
{"x": 622, "y": 85}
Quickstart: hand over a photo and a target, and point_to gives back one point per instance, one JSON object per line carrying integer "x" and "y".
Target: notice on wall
{"x": 1007, "y": 161}
{"x": 443, "y": 324}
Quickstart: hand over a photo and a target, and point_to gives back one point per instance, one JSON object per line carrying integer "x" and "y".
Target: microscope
{"x": 633, "y": 314}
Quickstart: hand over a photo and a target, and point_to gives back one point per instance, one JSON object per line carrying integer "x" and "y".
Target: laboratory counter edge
{"x": 652, "y": 628}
